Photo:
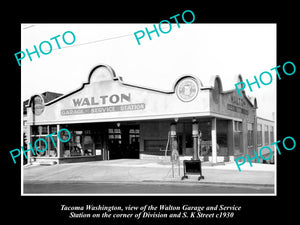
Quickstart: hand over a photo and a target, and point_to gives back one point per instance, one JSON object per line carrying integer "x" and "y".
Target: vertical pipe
{"x": 214, "y": 139}
{"x": 58, "y": 145}
{"x": 29, "y": 140}
{"x": 195, "y": 132}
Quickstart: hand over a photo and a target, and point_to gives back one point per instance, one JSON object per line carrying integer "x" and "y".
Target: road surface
{"x": 140, "y": 188}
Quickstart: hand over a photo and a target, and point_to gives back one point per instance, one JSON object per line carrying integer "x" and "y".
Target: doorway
{"x": 124, "y": 141}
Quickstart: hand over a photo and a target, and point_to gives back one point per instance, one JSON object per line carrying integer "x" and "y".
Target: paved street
{"x": 145, "y": 176}
{"x": 139, "y": 188}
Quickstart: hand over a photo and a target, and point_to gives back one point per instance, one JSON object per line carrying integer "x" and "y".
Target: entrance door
{"x": 123, "y": 142}
{"x": 100, "y": 144}
{"x": 132, "y": 141}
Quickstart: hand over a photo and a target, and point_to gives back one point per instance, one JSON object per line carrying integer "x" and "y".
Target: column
{"x": 47, "y": 154}
{"x": 214, "y": 139}
{"x": 230, "y": 138}
{"x": 255, "y": 134}
{"x": 195, "y": 133}
{"x": 173, "y": 142}
{"x": 29, "y": 133}
{"x": 58, "y": 145}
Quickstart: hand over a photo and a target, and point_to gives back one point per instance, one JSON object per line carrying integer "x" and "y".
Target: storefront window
{"x": 222, "y": 131}
{"x": 88, "y": 144}
{"x": 114, "y": 136}
{"x": 35, "y": 130}
{"x": 206, "y": 147}
{"x": 40, "y": 145}
{"x": 155, "y": 145}
{"x": 266, "y": 135}
{"x": 250, "y": 135}
{"x": 52, "y": 148}
{"x": 259, "y": 134}
{"x": 53, "y": 128}
{"x": 237, "y": 135}
{"x": 134, "y": 136}
{"x": 82, "y": 143}
{"x": 237, "y": 126}
{"x": 42, "y": 131}
{"x": 271, "y": 134}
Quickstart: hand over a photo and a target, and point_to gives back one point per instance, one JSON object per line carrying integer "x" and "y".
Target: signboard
{"x": 192, "y": 167}
{"x": 38, "y": 105}
{"x": 109, "y": 103}
{"x": 114, "y": 100}
{"x": 237, "y": 105}
{"x": 237, "y": 109}
{"x": 103, "y": 109}
{"x": 187, "y": 89}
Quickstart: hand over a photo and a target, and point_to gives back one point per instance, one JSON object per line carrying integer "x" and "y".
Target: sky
{"x": 202, "y": 50}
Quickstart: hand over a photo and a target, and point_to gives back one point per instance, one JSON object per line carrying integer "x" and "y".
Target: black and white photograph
{"x": 143, "y": 111}
{"x": 139, "y": 115}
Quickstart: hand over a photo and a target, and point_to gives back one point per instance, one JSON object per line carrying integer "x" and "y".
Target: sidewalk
{"x": 149, "y": 170}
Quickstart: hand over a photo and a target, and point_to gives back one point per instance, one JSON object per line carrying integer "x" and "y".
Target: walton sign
{"x": 102, "y": 100}
{"x": 110, "y": 103}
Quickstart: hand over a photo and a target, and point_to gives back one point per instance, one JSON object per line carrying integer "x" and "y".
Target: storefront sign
{"x": 102, "y": 100}
{"x": 104, "y": 109}
{"x": 237, "y": 109}
{"x": 38, "y": 105}
{"x": 187, "y": 89}
{"x": 237, "y": 100}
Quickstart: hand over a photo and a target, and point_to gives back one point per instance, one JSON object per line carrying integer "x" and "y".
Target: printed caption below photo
{"x": 150, "y": 211}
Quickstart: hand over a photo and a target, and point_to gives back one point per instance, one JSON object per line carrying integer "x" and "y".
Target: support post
{"x": 174, "y": 151}
{"x": 214, "y": 139}
{"x": 195, "y": 133}
{"x": 173, "y": 136}
{"x": 58, "y": 145}
{"x": 29, "y": 133}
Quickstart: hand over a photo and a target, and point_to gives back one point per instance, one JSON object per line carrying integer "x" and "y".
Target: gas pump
{"x": 199, "y": 143}
{"x": 193, "y": 166}
{"x": 195, "y": 133}
{"x": 174, "y": 149}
